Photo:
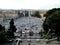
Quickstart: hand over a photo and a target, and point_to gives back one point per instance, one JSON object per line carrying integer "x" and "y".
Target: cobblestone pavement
{"x": 26, "y": 22}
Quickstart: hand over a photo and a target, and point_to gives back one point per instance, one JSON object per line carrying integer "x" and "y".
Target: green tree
{"x": 0, "y": 27}
{"x": 3, "y": 35}
{"x": 18, "y": 13}
{"x": 37, "y": 14}
{"x": 53, "y": 22}
{"x": 26, "y": 13}
{"x": 50, "y": 12}
{"x": 11, "y": 29}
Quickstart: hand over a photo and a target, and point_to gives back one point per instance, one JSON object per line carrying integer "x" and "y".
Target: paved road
{"x": 38, "y": 42}
{"x": 34, "y": 42}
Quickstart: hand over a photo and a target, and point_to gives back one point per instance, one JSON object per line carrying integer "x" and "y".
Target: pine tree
{"x": 11, "y": 29}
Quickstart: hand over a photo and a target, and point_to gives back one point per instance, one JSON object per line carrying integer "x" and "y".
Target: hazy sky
{"x": 29, "y": 4}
